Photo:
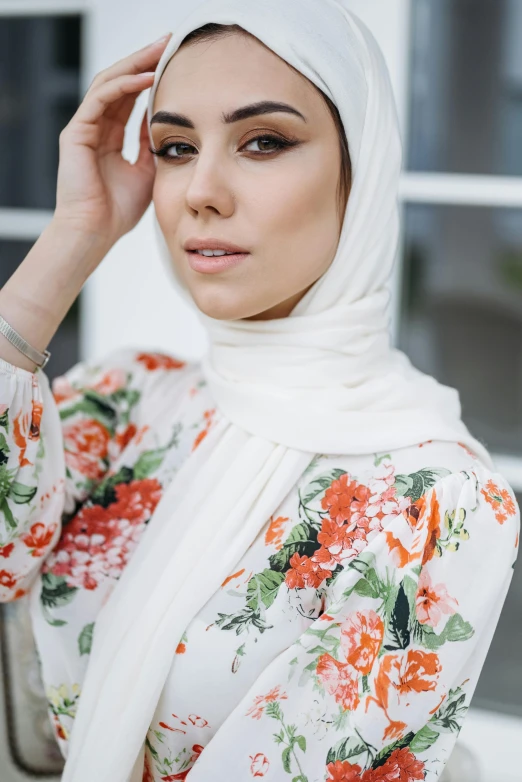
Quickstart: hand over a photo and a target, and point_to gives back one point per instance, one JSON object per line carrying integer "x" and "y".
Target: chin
{"x": 223, "y": 307}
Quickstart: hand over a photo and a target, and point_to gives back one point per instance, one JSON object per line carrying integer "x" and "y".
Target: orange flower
{"x": 159, "y": 361}
{"x": 305, "y": 572}
{"x": 38, "y": 538}
{"x": 399, "y": 676}
{"x": 343, "y": 771}
{"x": 7, "y": 580}
{"x": 260, "y": 701}
{"x": 500, "y": 500}
{"x": 401, "y": 766}
{"x": 274, "y": 533}
{"x": 6, "y": 551}
{"x": 260, "y": 764}
{"x": 342, "y": 499}
{"x": 340, "y": 680}
{"x": 361, "y": 638}
{"x": 86, "y": 443}
{"x": 36, "y": 419}
{"x": 110, "y": 381}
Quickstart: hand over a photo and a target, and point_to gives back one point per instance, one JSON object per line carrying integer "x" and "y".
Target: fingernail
{"x": 160, "y": 40}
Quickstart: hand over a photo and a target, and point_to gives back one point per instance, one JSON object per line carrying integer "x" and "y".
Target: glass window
{"x": 40, "y": 93}
{"x": 461, "y": 315}
{"x": 466, "y": 87}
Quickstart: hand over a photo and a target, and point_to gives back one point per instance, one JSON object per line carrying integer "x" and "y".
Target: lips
{"x": 195, "y": 244}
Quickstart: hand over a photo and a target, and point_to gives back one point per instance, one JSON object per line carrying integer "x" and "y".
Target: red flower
{"x": 343, "y": 771}
{"x": 5, "y": 551}
{"x": 342, "y": 499}
{"x": 86, "y": 445}
{"x": 401, "y": 766}
{"x": 159, "y": 361}
{"x": 38, "y": 538}
{"x": 304, "y": 572}
{"x": 7, "y": 579}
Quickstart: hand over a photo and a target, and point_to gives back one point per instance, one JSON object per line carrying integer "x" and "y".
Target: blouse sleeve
{"x": 377, "y": 687}
{"x": 57, "y": 441}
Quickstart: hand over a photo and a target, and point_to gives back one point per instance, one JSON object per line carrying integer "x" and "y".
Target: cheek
{"x": 167, "y": 200}
{"x": 298, "y": 214}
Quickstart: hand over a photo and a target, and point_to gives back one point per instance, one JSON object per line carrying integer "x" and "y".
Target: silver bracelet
{"x": 40, "y": 359}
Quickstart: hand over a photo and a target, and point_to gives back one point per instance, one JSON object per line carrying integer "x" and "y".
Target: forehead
{"x": 230, "y": 68}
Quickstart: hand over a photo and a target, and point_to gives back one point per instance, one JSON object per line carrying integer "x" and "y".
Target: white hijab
{"x": 323, "y": 380}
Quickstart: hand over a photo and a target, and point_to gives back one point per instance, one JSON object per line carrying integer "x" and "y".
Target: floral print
{"x": 342, "y": 646}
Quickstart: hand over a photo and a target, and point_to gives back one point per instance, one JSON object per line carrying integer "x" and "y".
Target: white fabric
{"x": 323, "y": 380}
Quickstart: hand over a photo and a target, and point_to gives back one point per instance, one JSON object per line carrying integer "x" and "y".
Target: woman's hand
{"x": 98, "y": 191}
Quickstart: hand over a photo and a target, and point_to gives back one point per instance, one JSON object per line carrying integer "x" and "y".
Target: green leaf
{"x": 348, "y": 748}
{"x": 402, "y": 485}
{"x": 417, "y": 483}
{"x": 9, "y": 518}
{"x": 457, "y": 629}
{"x": 423, "y": 739}
{"x": 4, "y": 445}
{"x": 148, "y": 463}
{"x": 302, "y": 540}
{"x": 92, "y": 405}
{"x": 381, "y": 758}
{"x": 104, "y": 493}
{"x": 85, "y": 639}
{"x": 301, "y": 742}
{"x": 21, "y": 493}
{"x": 263, "y": 588}
{"x": 398, "y": 625}
{"x": 370, "y": 585}
{"x": 286, "y": 756}
{"x": 410, "y": 587}
{"x": 4, "y": 420}
{"x": 55, "y": 591}
{"x": 321, "y": 483}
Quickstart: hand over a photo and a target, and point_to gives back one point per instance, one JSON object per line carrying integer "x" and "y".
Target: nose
{"x": 208, "y": 184}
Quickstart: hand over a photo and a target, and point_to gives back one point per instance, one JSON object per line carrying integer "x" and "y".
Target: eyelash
{"x": 281, "y": 145}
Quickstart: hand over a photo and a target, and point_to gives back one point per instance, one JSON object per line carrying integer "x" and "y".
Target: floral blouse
{"x": 346, "y": 644}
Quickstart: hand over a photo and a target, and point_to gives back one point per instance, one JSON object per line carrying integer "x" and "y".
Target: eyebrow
{"x": 244, "y": 112}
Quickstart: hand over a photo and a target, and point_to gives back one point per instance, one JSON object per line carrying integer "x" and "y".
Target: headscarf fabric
{"x": 325, "y": 379}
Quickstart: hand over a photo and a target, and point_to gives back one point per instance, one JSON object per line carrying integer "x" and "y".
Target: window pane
{"x": 466, "y": 87}
{"x": 462, "y": 312}
{"x": 40, "y": 92}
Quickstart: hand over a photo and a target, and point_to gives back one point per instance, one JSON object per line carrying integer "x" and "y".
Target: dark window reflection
{"x": 462, "y": 312}
{"x": 466, "y": 87}
{"x": 39, "y": 93}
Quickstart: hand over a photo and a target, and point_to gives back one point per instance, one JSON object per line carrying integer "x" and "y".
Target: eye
{"x": 162, "y": 151}
{"x": 278, "y": 144}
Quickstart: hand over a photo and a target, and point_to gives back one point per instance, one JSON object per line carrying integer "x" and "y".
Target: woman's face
{"x": 218, "y": 180}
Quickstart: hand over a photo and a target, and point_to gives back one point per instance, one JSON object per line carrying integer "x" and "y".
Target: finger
{"x": 102, "y": 97}
{"x": 137, "y": 62}
{"x": 145, "y": 159}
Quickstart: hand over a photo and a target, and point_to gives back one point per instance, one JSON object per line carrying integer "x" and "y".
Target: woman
{"x": 270, "y": 563}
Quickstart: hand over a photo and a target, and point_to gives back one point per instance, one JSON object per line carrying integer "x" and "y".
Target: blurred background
{"x": 456, "y": 66}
